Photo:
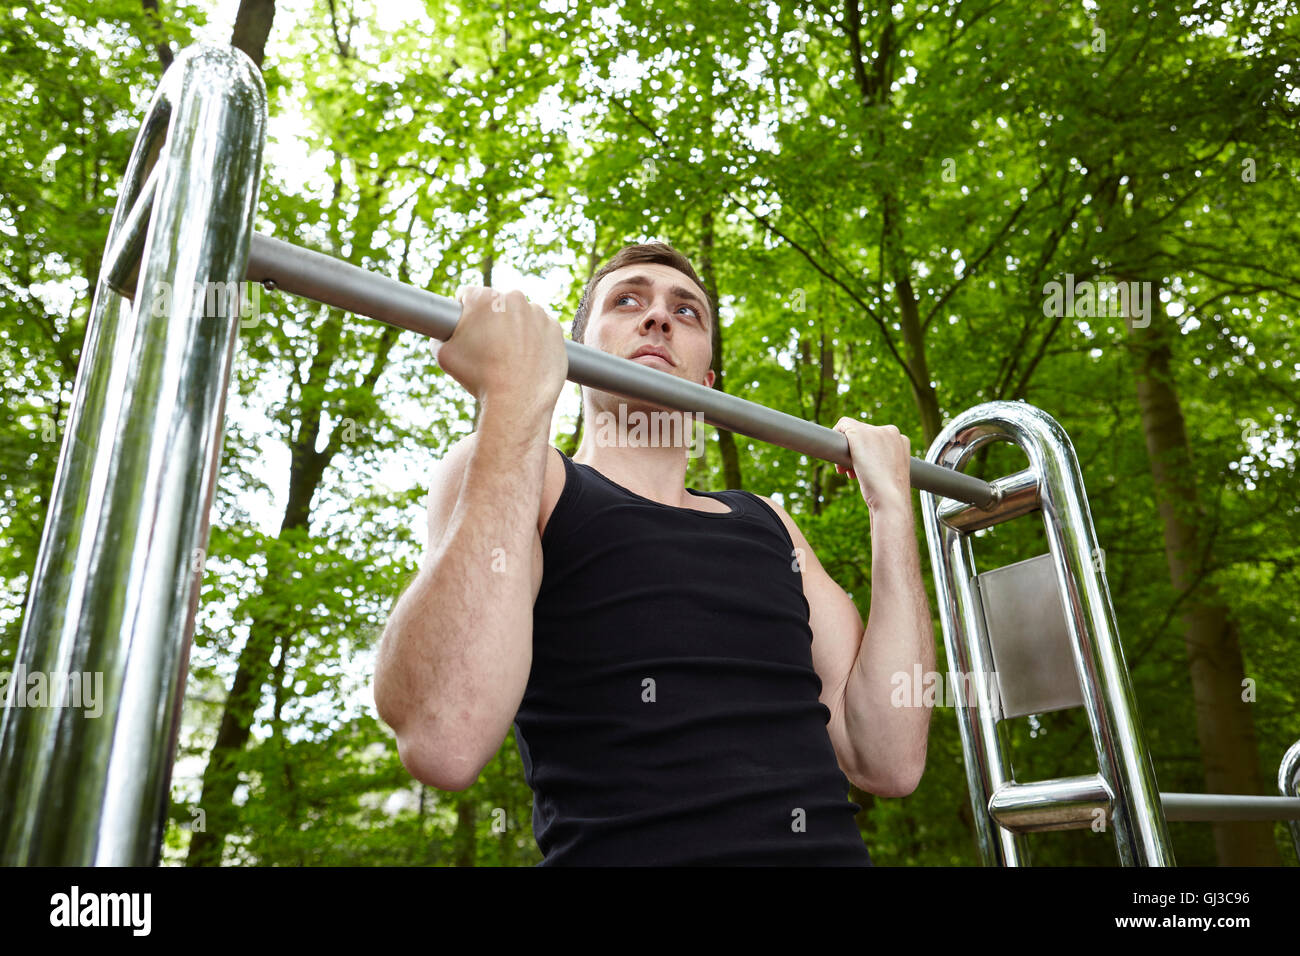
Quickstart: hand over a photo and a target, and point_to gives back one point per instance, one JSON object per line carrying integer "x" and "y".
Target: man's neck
{"x": 651, "y": 468}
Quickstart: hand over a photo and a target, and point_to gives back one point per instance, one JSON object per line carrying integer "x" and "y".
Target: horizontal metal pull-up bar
{"x": 332, "y": 281}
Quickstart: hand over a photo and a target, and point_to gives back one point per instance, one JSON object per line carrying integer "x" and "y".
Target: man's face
{"x": 655, "y": 316}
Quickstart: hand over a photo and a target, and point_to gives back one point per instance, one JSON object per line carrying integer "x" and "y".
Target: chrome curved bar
{"x": 117, "y": 577}
{"x": 1125, "y": 768}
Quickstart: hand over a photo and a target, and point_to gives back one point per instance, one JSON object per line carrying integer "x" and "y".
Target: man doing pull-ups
{"x": 687, "y": 683}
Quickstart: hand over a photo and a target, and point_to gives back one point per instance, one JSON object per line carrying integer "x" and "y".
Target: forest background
{"x": 878, "y": 199}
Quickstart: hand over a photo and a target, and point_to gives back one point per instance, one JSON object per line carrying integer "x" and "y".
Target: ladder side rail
{"x": 116, "y": 585}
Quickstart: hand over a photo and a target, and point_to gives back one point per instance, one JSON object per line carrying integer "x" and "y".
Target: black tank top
{"x": 671, "y": 716}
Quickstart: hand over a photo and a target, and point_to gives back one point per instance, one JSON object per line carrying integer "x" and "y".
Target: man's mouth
{"x": 652, "y": 352}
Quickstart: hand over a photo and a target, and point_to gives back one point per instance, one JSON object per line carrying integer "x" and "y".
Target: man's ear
{"x": 708, "y": 378}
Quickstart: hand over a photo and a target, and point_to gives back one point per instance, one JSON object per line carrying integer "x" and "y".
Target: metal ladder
{"x": 1040, "y": 636}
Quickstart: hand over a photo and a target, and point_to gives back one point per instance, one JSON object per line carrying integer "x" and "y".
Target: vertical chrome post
{"x": 1124, "y": 764}
{"x": 117, "y": 577}
{"x": 1288, "y": 781}
{"x": 967, "y": 645}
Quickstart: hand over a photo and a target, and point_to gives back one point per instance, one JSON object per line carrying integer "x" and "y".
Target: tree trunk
{"x": 307, "y": 467}
{"x": 828, "y": 412}
{"x": 164, "y": 49}
{"x": 927, "y": 402}
{"x": 1225, "y": 727}
{"x": 465, "y": 839}
{"x": 805, "y": 361}
{"x": 290, "y": 787}
{"x": 252, "y": 27}
{"x": 731, "y": 475}
{"x": 221, "y": 778}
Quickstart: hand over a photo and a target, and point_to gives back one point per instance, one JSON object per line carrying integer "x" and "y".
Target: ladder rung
{"x": 1066, "y": 803}
{"x": 1072, "y": 803}
{"x": 1017, "y": 494}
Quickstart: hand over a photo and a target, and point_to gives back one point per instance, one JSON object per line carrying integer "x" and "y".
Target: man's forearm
{"x": 890, "y": 741}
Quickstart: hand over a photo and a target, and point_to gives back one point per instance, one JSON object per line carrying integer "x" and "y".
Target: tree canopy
{"x": 879, "y": 199}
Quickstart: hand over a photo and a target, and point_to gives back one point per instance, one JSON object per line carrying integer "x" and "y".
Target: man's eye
{"x": 628, "y": 296}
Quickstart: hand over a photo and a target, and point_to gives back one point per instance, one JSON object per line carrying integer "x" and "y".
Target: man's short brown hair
{"x": 655, "y": 252}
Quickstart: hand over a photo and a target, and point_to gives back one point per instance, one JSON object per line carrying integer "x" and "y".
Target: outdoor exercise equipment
{"x": 117, "y": 576}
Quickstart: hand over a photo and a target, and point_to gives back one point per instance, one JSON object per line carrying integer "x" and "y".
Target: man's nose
{"x": 658, "y": 315}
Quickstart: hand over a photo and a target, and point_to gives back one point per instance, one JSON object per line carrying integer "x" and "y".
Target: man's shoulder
{"x": 796, "y": 536}
{"x": 775, "y": 506}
